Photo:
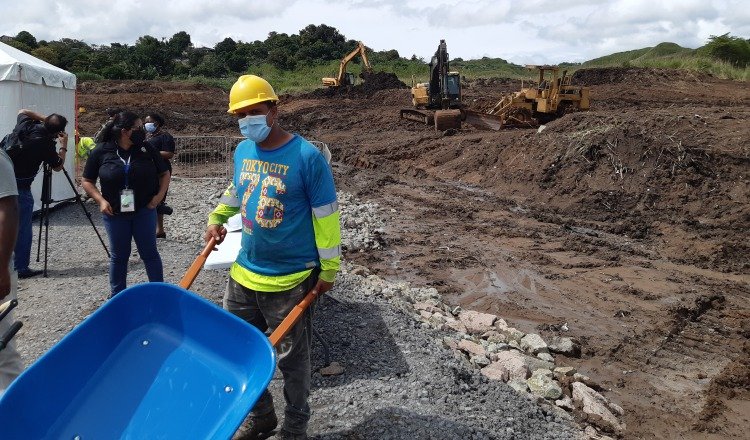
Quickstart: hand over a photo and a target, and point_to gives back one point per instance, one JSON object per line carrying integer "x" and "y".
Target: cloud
{"x": 124, "y": 22}
{"x": 519, "y": 31}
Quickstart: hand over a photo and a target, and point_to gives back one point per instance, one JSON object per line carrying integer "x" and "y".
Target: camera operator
{"x": 38, "y": 135}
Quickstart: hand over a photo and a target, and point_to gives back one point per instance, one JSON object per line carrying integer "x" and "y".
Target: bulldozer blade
{"x": 418, "y": 116}
{"x": 483, "y": 121}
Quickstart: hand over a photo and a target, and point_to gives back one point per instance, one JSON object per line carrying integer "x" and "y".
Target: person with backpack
{"x": 32, "y": 143}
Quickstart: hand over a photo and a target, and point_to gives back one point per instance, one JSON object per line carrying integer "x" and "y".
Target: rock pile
{"x": 523, "y": 361}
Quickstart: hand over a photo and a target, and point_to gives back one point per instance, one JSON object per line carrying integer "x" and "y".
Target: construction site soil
{"x": 625, "y": 227}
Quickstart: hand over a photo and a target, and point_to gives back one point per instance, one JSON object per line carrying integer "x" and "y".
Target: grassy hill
{"x": 671, "y": 56}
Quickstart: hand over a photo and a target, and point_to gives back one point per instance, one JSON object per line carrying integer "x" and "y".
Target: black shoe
{"x": 29, "y": 273}
{"x": 260, "y": 427}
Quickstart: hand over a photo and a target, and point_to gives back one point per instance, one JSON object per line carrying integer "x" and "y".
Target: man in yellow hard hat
{"x": 291, "y": 242}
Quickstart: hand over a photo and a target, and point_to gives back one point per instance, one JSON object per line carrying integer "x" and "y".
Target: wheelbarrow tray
{"x": 155, "y": 361}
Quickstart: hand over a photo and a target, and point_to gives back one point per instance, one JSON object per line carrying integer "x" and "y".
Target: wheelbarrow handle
{"x": 5, "y": 339}
{"x": 292, "y": 318}
{"x": 6, "y": 307}
{"x": 195, "y": 268}
{"x": 286, "y": 324}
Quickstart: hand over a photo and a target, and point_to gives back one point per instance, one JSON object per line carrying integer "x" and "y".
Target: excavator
{"x": 442, "y": 93}
{"x": 345, "y": 78}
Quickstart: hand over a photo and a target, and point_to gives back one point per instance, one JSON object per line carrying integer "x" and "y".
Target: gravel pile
{"x": 399, "y": 380}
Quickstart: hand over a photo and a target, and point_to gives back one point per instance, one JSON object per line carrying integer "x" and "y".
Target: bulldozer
{"x": 442, "y": 93}
{"x": 553, "y": 96}
{"x": 345, "y": 78}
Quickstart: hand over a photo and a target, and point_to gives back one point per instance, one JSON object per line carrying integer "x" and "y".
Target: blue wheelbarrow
{"x": 154, "y": 362}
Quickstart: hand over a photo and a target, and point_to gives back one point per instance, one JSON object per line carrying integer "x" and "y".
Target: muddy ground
{"x": 629, "y": 222}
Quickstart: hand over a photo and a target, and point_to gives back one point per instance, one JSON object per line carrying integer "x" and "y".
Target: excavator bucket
{"x": 446, "y": 119}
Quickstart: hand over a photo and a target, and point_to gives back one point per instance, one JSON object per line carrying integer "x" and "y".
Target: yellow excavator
{"x": 442, "y": 93}
{"x": 345, "y": 78}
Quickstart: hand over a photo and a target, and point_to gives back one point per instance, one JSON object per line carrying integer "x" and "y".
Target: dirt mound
{"x": 380, "y": 81}
{"x": 373, "y": 83}
{"x": 188, "y": 108}
{"x": 641, "y": 75}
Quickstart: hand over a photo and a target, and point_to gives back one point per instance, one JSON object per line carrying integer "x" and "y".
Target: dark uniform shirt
{"x": 106, "y": 164}
{"x": 38, "y": 147}
{"x": 163, "y": 142}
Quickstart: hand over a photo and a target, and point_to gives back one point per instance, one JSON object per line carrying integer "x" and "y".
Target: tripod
{"x": 44, "y": 213}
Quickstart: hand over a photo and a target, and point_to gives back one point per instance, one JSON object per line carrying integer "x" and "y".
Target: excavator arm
{"x": 339, "y": 80}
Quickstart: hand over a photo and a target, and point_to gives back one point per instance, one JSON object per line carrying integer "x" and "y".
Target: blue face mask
{"x": 150, "y": 127}
{"x": 254, "y": 127}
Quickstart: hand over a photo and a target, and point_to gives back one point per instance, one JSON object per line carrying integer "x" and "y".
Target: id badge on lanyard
{"x": 127, "y": 198}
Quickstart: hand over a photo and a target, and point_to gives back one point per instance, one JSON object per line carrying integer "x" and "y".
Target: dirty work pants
{"x": 266, "y": 310}
{"x": 10, "y": 360}
{"x": 122, "y": 230}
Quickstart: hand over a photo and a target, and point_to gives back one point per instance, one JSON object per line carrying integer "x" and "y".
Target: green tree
{"x": 46, "y": 53}
{"x": 27, "y": 39}
{"x": 151, "y": 57}
{"x": 211, "y": 65}
{"x": 282, "y": 50}
{"x": 255, "y": 53}
{"x": 226, "y": 51}
{"x": 237, "y": 63}
{"x": 116, "y": 71}
{"x": 196, "y": 55}
{"x": 383, "y": 56}
{"x": 225, "y": 48}
{"x": 321, "y": 43}
{"x": 68, "y": 52}
{"x": 178, "y": 45}
{"x": 733, "y": 50}
{"x": 20, "y": 46}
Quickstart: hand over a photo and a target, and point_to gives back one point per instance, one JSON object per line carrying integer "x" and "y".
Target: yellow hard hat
{"x": 249, "y": 90}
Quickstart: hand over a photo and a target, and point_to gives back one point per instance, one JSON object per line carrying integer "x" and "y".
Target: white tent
{"x": 28, "y": 82}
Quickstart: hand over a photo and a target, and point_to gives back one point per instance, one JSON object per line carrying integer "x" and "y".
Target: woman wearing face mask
{"x": 133, "y": 180}
{"x": 162, "y": 142}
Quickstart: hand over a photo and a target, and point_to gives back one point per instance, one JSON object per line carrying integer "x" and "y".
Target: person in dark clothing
{"x": 162, "y": 142}
{"x": 111, "y": 113}
{"x": 39, "y": 135}
{"x": 133, "y": 179}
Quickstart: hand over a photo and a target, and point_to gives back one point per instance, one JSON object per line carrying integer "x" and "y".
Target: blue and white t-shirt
{"x": 277, "y": 190}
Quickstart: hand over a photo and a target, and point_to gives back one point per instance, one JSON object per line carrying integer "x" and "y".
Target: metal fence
{"x": 204, "y": 156}
{"x": 212, "y": 156}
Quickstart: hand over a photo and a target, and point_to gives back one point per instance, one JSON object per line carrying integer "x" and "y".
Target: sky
{"x": 522, "y": 32}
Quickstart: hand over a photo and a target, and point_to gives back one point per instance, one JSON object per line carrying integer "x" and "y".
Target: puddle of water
{"x": 500, "y": 282}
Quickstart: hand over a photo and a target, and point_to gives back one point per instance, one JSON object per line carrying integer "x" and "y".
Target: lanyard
{"x": 127, "y": 167}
